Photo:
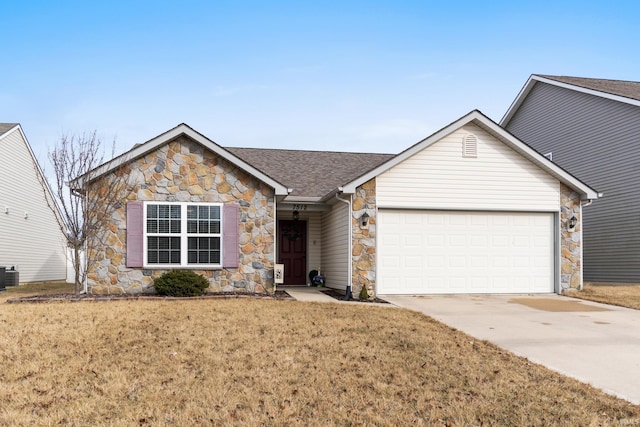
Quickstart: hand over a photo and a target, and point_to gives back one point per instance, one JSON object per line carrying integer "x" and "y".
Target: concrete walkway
{"x": 314, "y": 294}
{"x": 595, "y": 343}
{"x": 308, "y": 293}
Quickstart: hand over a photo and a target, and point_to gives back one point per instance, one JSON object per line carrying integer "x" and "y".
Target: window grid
{"x": 183, "y": 234}
{"x": 203, "y": 220}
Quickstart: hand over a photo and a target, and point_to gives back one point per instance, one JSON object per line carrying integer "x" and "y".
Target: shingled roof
{"x": 622, "y": 88}
{"x": 4, "y": 127}
{"x": 310, "y": 173}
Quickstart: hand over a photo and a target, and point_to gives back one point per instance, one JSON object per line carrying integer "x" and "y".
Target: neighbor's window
{"x": 183, "y": 234}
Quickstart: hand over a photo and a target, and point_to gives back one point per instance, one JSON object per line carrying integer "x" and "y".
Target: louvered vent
{"x": 470, "y": 146}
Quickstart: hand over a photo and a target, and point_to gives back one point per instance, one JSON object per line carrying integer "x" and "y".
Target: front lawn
{"x": 624, "y": 296}
{"x": 269, "y": 362}
{"x": 37, "y": 288}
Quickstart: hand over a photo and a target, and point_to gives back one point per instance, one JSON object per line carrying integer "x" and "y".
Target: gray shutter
{"x": 135, "y": 237}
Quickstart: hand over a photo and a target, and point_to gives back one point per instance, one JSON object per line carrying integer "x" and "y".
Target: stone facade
{"x": 364, "y": 239}
{"x": 570, "y": 241}
{"x": 184, "y": 171}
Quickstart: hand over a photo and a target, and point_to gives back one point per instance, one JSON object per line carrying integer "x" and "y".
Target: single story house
{"x": 469, "y": 209}
{"x": 590, "y": 128}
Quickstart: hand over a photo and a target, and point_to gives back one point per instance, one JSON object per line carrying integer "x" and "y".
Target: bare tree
{"x": 85, "y": 204}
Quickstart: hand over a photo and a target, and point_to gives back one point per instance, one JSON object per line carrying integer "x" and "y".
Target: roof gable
{"x": 479, "y": 119}
{"x": 627, "y": 92}
{"x": 140, "y": 150}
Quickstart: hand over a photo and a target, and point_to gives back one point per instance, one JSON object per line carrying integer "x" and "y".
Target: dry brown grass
{"x": 624, "y": 296}
{"x": 38, "y": 288}
{"x": 266, "y": 362}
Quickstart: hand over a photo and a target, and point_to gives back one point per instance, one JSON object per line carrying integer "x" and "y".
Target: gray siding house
{"x": 591, "y": 128}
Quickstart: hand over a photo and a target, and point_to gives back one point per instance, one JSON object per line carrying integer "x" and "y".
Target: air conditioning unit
{"x": 11, "y": 278}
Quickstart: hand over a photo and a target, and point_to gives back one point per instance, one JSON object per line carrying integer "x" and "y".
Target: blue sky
{"x": 367, "y": 76}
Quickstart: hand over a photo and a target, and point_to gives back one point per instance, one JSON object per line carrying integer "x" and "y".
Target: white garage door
{"x": 447, "y": 252}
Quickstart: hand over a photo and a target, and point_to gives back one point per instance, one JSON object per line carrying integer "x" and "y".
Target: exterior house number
{"x": 299, "y": 207}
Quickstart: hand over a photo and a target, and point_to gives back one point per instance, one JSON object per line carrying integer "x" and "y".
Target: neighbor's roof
{"x": 4, "y": 127}
{"x": 623, "y": 88}
{"x": 310, "y": 173}
{"x": 627, "y": 92}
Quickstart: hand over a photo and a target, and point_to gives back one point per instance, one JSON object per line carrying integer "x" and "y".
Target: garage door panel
{"x": 464, "y": 252}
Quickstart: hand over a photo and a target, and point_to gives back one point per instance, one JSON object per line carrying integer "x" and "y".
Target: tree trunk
{"x": 76, "y": 266}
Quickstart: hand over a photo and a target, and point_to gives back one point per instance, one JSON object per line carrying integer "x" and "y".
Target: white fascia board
{"x": 594, "y": 92}
{"x": 351, "y": 187}
{"x": 7, "y": 132}
{"x": 518, "y": 100}
{"x": 152, "y": 144}
{"x": 534, "y": 79}
{"x": 493, "y": 128}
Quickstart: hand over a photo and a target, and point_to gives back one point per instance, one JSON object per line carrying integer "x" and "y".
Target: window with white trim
{"x": 182, "y": 234}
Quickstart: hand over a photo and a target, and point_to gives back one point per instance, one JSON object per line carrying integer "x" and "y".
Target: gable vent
{"x": 470, "y": 146}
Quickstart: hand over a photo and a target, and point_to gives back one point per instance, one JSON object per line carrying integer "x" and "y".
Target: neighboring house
{"x": 591, "y": 128}
{"x": 30, "y": 238}
{"x": 470, "y": 209}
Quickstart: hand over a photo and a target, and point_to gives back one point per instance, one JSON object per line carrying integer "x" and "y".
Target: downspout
{"x": 275, "y": 241}
{"x": 347, "y": 295}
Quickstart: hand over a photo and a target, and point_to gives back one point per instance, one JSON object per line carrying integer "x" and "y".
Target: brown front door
{"x": 292, "y": 251}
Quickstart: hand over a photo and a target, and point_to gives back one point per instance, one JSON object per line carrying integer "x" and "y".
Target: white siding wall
{"x": 440, "y": 178}
{"x": 34, "y": 244}
{"x": 335, "y": 246}
{"x": 314, "y": 239}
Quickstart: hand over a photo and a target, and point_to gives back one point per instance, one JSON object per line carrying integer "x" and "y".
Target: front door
{"x": 292, "y": 251}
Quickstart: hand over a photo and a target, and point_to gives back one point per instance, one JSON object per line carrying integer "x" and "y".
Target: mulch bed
{"x": 278, "y": 295}
{"x": 339, "y": 295}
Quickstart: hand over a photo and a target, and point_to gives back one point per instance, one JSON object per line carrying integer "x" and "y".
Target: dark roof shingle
{"x": 310, "y": 173}
{"x": 622, "y": 88}
{"x": 6, "y": 126}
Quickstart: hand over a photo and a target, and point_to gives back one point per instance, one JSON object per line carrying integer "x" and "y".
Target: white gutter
{"x": 350, "y": 257}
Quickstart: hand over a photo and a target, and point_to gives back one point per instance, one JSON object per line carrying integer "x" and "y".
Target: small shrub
{"x": 363, "y": 293}
{"x": 181, "y": 283}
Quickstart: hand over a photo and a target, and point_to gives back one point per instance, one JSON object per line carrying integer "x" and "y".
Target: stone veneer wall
{"x": 364, "y": 239}
{"x": 184, "y": 171}
{"x": 570, "y": 241}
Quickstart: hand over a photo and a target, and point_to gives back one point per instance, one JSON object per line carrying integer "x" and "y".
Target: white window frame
{"x": 184, "y": 237}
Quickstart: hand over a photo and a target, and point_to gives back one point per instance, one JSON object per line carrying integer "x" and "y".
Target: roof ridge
{"x": 308, "y": 151}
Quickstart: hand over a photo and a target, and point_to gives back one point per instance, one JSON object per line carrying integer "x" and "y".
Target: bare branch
{"x": 84, "y": 212}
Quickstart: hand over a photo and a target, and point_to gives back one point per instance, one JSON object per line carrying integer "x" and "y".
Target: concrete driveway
{"x": 595, "y": 343}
